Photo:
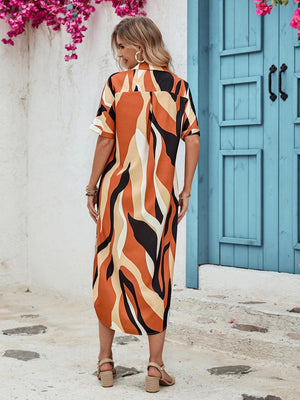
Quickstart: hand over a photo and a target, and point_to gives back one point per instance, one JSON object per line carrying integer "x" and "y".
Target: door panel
{"x": 289, "y": 131}
{"x": 240, "y": 32}
{"x": 244, "y": 169}
{"x": 244, "y": 122}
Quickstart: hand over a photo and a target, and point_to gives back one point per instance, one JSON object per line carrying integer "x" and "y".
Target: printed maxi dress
{"x": 146, "y": 110}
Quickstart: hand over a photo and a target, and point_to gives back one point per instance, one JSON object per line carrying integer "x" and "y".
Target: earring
{"x": 136, "y": 57}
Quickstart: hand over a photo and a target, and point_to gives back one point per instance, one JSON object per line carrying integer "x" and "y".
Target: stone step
{"x": 212, "y": 322}
{"x": 273, "y": 345}
{"x": 265, "y": 314}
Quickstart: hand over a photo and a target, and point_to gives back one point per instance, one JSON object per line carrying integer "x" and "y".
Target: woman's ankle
{"x": 157, "y": 360}
{"x": 105, "y": 354}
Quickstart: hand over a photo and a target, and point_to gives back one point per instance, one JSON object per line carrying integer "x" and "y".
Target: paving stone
{"x": 29, "y": 315}
{"x": 205, "y": 320}
{"x": 277, "y": 378}
{"x": 122, "y": 372}
{"x": 125, "y": 339}
{"x": 293, "y": 335}
{"x": 249, "y": 328}
{"x": 251, "y": 302}
{"x": 26, "y": 330}
{"x": 230, "y": 370}
{"x": 247, "y": 397}
{"x": 269, "y": 397}
{"x": 295, "y": 310}
{"x": 23, "y": 355}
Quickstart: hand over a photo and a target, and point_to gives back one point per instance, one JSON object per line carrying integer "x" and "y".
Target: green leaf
{"x": 274, "y": 3}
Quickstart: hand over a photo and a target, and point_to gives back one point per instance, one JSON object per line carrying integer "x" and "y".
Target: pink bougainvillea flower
{"x": 58, "y": 13}
{"x": 262, "y": 8}
{"x": 295, "y": 21}
{"x": 8, "y": 41}
{"x": 70, "y": 47}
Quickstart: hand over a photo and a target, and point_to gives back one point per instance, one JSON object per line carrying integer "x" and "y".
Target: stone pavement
{"x": 53, "y": 352}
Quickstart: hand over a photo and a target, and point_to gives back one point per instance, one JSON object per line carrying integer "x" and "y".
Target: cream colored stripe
{"x": 125, "y": 87}
{"x": 133, "y": 313}
{"x": 175, "y": 185}
{"x": 150, "y": 264}
{"x": 171, "y": 264}
{"x": 163, "y": 201}
{"x": 150, "y": 296}
{"x": 115, "y": 280}
{"x": 98, "y": 121}
{"x": 136, "y": 175}
{"x": 163, "y": 192}
{"x": 123, "y": 233}
{"x": 138, "y": 80}
{"x": 96, "y": 129}
{"x": 143, "y": 150}
{"x": 152, "y": 299}
{"x": 107, "y": 96}
{"x": 167, "y": 103}
{"x": 139, "y": 146}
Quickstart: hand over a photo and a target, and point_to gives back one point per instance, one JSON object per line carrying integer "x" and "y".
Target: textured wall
{"x": 63, "y": 101}
{"x": 13, "y": 156}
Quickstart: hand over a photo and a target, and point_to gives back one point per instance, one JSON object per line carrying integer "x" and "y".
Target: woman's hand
{"x": 103, "y": 150}
{"x": 183, "y": 205}
{"x": 91, "y": 202}
{"x": 192, "y": 149}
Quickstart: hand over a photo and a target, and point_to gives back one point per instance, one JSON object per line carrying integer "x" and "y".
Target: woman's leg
{"x": 156, "y": 346}
{"x": 106, "y": 336}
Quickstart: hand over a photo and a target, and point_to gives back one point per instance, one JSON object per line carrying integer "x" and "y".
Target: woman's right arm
{"x": 103, "y": 150}
{"x": 192, "y": 150}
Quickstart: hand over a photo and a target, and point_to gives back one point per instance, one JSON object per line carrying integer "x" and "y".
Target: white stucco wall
{"x": 13, "y": 156}
{"x": 63, "y": 99}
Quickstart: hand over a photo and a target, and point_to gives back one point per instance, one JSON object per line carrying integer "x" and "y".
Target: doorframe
{"x": 198, "y": 67}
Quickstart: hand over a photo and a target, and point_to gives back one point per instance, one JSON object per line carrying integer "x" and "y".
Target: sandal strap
{"x": 106, "y": 360}
{"x": 160, "y": 368}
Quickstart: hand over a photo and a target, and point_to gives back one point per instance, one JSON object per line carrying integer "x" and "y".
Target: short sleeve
{"x": 189, "y": 123}
{"x": 104, "y": 123}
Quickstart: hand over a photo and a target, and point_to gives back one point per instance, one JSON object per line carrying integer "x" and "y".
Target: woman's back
{"x": 143, "y": 114}
{"x": 150, "y": 100}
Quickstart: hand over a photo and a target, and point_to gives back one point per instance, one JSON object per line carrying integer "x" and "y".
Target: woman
{"x": 144, "y": 112}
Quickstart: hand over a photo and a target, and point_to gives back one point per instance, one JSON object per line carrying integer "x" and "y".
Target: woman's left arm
{"x": 103, "y": 150}
{"x": 192, "y": 150}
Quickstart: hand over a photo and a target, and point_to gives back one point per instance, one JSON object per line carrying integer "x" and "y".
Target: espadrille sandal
{"x": 106, "y": 377}
{"x": 153, "y": 382}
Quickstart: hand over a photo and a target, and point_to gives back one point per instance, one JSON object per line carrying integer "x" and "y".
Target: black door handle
{"x": 283, "y": 95}
{"x": 272, "y": 69}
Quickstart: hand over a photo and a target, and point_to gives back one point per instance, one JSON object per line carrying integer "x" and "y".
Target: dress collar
{"x": 151, "y": 67}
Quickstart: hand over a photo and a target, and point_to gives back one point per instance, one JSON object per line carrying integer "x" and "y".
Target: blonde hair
{"x": 143, "y": 32}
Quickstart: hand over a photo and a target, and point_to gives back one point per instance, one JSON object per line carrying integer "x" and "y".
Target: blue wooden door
{"x": 254, "y": 142}
{"x": 289, "y": 146}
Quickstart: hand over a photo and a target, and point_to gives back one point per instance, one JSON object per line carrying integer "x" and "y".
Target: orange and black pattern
{"x": 146, "y": 110}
